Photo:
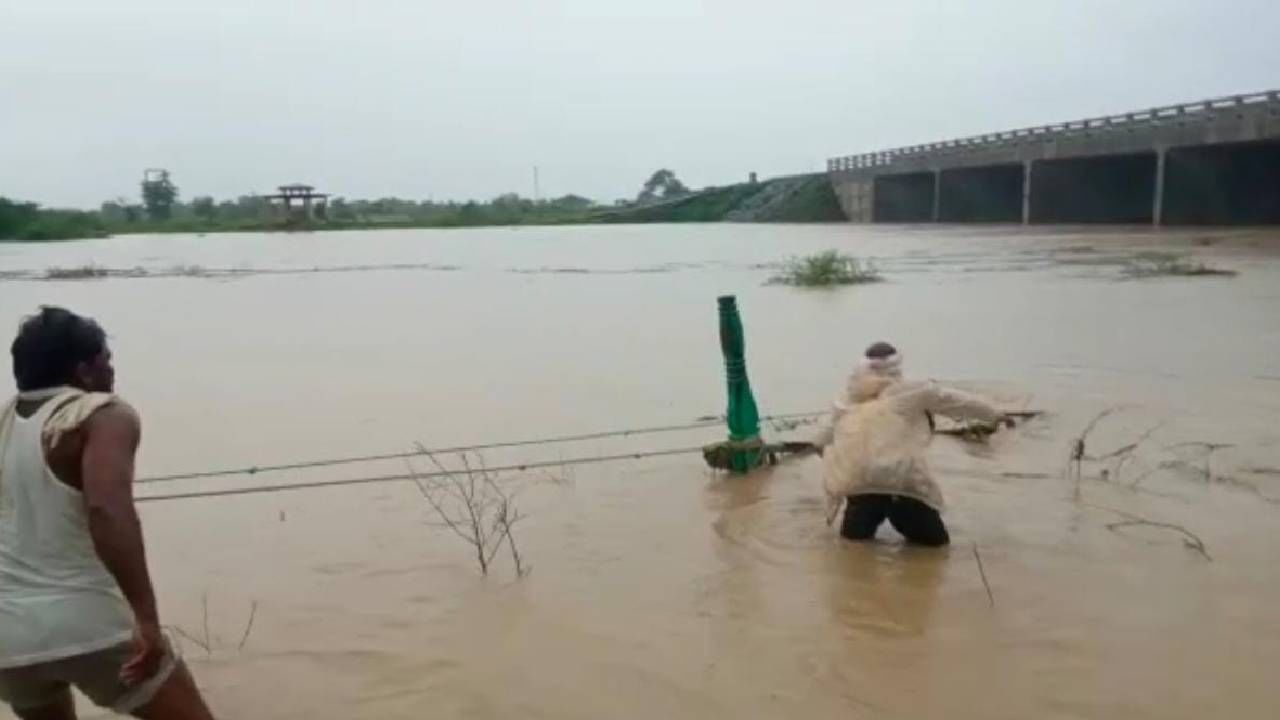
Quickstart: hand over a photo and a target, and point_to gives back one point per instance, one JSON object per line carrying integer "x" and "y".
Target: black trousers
{"x": 917, "y": 522}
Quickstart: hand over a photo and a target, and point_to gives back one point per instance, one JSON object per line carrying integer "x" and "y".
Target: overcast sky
{"x": 461, "y": 98}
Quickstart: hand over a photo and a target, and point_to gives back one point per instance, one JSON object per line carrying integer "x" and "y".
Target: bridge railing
{"x": 1154, "y": 117}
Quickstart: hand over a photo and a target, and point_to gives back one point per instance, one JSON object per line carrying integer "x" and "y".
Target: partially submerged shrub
{"x": 1152, "y": 265}
{"x": 825, "y": 269}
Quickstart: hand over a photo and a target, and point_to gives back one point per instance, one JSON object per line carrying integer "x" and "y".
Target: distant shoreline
{"x": 803, "y": 199}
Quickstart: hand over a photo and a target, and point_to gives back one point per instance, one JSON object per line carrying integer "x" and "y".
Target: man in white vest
{"x": 76, "y": 602}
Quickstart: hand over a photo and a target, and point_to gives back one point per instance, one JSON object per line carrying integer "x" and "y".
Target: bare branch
{"x": 248, "y": 628}
{"x": 177, "y": 629}
{"x": 1207, "y": 446}
{"x": 1123, "y": 455}
{"x": 982, "y": 572}
{"x": 1190, "y": 539}
{"x": 472, "y": 504}
{"x": 447, "y": 520}
{"x": 1097, "y": 419}
{"x": 204, "y": 603}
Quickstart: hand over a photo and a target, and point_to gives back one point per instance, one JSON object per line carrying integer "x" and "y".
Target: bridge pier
{"x": 937, "y": 196}
{"x": 1157, "y": 206}
{"x": 1026, "y": 191}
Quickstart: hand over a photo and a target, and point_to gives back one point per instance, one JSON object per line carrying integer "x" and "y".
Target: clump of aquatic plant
{"x": 826, "y": 269}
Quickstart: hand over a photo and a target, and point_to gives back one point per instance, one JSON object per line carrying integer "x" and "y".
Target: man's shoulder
{"x": 109, "y": 408}
{"x": 91, "y": 411}
{"x": 113, "y": 407}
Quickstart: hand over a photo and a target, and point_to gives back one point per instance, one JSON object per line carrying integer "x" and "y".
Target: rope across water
{"x": 405, "y": 477}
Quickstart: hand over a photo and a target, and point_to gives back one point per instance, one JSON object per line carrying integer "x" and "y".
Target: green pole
{"x": 743, "y": 416}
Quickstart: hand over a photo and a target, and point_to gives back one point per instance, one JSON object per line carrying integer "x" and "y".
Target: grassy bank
{"x": 705, "y": 206}
{"x": 806, "y": 198}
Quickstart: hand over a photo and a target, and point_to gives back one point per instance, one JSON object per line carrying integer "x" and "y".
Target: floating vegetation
{"x": 1156, "y": 264}
{"x": 97, "y": 272}
{"x": 83, "y": 272}
{"x": 183, "y": 271}
{"x": 826, "y": 269}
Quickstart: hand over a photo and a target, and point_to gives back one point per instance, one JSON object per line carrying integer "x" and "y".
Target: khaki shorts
{"x": 96, "y": 674}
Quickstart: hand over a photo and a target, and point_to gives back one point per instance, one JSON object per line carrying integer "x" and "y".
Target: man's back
{"x": 57, "y": 599}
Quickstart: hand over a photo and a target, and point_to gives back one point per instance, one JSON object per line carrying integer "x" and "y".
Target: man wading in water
{"x": 76, "y": 603}
{"x": 873, "y": 449}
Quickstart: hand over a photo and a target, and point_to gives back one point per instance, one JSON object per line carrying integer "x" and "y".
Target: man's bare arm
{"x": 111, "y": 438}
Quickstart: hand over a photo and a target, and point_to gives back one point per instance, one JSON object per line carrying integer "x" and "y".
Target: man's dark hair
{"x": 881, "y": 350}
{"x": 51, "y": 344}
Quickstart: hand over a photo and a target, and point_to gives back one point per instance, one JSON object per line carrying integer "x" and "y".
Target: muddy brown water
{"x": 658, "y": 589}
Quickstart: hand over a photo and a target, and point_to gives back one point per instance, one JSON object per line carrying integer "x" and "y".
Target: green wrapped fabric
{"x": 743, "y": 416}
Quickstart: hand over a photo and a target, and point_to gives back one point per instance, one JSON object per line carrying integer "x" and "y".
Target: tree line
{"x": 159, "y": 208}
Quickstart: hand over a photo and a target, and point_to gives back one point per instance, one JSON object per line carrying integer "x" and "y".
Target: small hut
{"x": 298, "y": 203}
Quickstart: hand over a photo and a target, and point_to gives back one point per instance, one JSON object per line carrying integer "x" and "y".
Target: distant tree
{"x": 203, "y": 208}
{"x": 471, "y": 213}
{"x": 572, "y": 202}
{"x": 16, "y": 216}
{"x": 340, "y": 209}
{"x": 28, "y": 221}
{"x": 661, "y": 185}
{"x": 251, "y": 207}
{"x": 158, "y": 194}
{"x": 112, "y": 211}
{"x": 512, "y": 203}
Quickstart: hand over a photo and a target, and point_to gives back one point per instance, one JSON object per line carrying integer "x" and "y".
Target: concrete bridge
{"x": 1209, "y": 162}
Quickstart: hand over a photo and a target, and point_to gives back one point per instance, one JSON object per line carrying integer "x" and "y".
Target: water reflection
{"x": 883, "y": 588}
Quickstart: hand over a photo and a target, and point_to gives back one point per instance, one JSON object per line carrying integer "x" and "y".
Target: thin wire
{"x": 330, "y": 462}
{"x": 407, "y": 477}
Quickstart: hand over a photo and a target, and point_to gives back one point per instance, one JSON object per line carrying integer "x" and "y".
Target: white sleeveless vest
{"x": 57, "y": 600}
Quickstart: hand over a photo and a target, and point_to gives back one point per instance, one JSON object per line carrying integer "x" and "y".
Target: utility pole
{"x": 537, "y": 192}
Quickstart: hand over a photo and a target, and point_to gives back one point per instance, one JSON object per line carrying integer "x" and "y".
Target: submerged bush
{"x": 825, "y": 269}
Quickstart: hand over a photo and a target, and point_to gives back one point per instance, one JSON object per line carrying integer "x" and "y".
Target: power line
{"x": 330, "y": 462}
{"x": 407, "y": 477}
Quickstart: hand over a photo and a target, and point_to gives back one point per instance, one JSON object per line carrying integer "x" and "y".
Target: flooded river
{"x": 657, "y": 588}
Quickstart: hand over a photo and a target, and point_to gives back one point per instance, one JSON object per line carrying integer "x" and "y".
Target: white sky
{"x": 460, "y": 99}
